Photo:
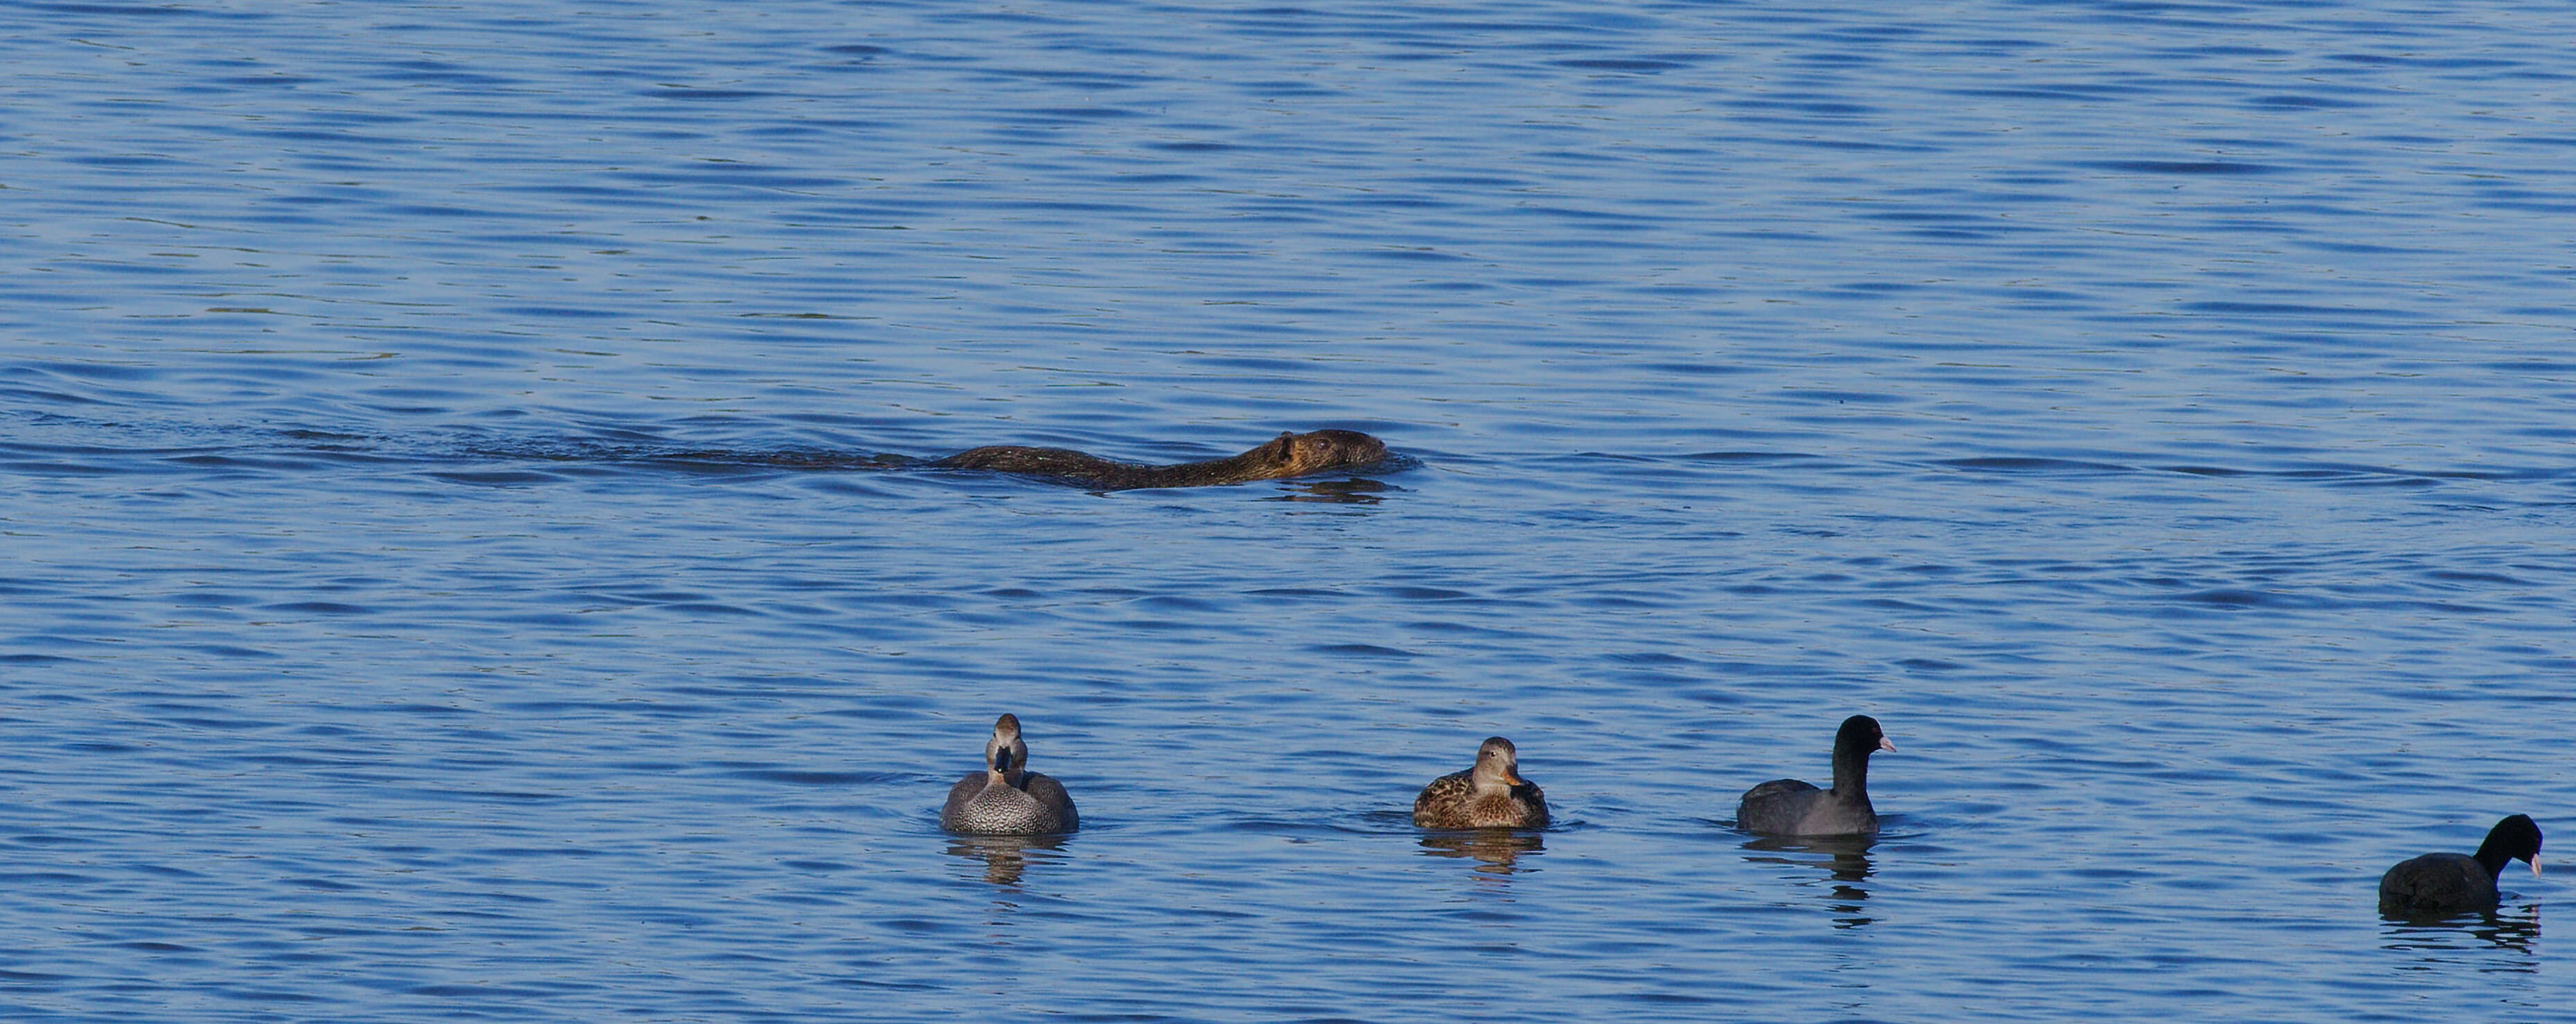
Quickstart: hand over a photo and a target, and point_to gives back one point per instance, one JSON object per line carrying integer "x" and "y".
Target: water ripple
{"x": 466, "y": 558}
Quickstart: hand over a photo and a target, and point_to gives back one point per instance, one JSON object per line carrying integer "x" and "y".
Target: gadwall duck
{"x": 1006, "y": 798}
{"x": 1490, "y": 795}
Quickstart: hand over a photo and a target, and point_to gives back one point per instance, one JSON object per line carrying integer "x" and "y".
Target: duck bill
{"x": 1886, "y": 744}
{"x": 2535, "y": 867}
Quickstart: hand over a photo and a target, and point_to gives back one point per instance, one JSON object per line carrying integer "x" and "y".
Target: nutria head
{"x": 1320, "y": 450}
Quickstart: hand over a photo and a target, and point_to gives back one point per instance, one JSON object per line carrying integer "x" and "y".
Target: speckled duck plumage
{"x": 1007, "y": 799}
{"x": 1490, "y": 795}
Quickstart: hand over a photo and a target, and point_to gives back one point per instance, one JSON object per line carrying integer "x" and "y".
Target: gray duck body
{"x": 1788, "y": 807}
{"x": 1490, "y": 795}
{"x": 2449, "y": 883}
{"x": 1006, "y": 799}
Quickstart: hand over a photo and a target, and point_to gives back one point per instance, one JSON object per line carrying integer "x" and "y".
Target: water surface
{"x": 450, "y": 572}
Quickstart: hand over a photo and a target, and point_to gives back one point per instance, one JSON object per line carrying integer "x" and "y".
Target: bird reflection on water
{"x": 1499, "y": 849}
{"x": 2510, "y": 928}
{"x": 1005, "y": 858}
{"x": 1847, "y": 864}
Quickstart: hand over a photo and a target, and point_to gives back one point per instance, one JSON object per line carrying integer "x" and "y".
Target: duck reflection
{"x": 2514, "y": 929}
{"x": 1500, "y": 849}
{"x": 1006, "y": 858}
{"x": 1846, "y": 863}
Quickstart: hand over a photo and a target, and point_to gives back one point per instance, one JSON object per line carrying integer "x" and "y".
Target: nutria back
{"x": 1284, "y": 456}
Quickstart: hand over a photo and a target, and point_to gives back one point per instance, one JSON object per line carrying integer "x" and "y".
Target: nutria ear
{"x": 1285, "y": 443}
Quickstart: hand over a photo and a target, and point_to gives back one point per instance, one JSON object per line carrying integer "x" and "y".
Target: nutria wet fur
{"x": 1284, "y": 456}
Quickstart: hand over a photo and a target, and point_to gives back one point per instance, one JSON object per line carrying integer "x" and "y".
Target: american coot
{"x": 2444, "y": 883}
{"x": 1490, "y": 795}
{"x": 1788, "y": 807}
{"x": 1007, "y": 799}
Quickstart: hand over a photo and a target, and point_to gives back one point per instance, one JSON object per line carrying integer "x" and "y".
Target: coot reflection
{"x": 2514, "y": 928}
{"x": 1846, "y": 863}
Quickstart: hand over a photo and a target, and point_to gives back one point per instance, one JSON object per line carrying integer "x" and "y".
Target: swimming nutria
{"x": 1006, "y": 798}
{"x": 1284, "y": 456}
{"x": 1490, "y": 795}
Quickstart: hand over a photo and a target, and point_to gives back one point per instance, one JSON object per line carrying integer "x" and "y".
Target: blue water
{"x": 445, "y": 575}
